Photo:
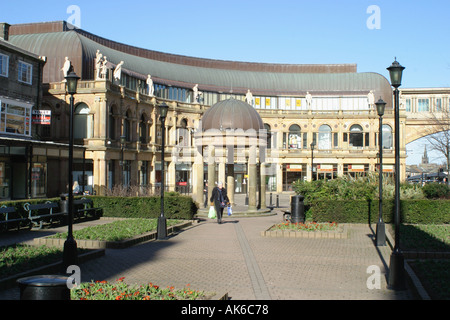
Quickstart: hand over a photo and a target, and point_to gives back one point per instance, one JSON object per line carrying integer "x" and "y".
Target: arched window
{"x": 112, "y": 124}
{"x": 294, "y": 138}
{"x": 387, "y": 136}
{"x": 324, "y": 137}
{"x": 356, "y": 136}
{"x": 143, "y": 129}
{"x": 82, "y": 122}
{"x": 182, "y": 133}
{"x": 127, "y": 127}
{"x": 269, "y": 136}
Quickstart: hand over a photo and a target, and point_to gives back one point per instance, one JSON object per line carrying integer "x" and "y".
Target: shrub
{"x": 361, "y": 211}
{"x": 436, "y": 191}
{"x": 175, "y": 206}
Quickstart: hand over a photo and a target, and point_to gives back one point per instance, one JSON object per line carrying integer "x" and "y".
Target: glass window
{"x": 438, "y": 104}
{"x": 356, "y": 136}
{"x": 387, "y": 137}
{"x": 15, "y": 119}
{"x": 127, "y": 127}
{"x": 424, "y": 105}
{"x": 112, "y": 124}
{"x": 269, "y": 136}
{"x": 324, "y": 137}
{"x": 25, "y": 72}
{"x": 143, "y": 131}
{"x": 408, "y": 105}
{"x": 4, "y": 65}
{"x": 294, "y": 138}
{"x": 82, "y": 123}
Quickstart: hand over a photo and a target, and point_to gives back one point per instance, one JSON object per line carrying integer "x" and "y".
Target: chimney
{"x": 4, "y": 31}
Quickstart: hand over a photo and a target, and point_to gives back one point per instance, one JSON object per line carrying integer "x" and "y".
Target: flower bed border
{"x": 331, "y": 234}
{"x": 100, "y": 244}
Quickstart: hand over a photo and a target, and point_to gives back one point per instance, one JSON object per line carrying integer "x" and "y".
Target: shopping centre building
{"x": 304, "y": 121}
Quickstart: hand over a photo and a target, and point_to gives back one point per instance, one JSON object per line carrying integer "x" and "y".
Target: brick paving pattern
{"x": 233, "y": 258}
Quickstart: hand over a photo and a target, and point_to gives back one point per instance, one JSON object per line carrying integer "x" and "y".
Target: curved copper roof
{"x": 57, "y": 40}
{"x": 232, "y": 114}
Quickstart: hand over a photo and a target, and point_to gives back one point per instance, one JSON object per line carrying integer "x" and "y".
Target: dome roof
{"x": 232, "y": 114}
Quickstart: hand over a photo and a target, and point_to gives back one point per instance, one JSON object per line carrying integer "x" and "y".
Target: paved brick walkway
{"x": 233, "y": 258}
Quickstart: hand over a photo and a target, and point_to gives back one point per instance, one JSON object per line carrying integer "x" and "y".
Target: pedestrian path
{"x": 234, "y": 258}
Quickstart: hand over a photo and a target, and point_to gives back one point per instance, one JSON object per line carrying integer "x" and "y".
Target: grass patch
{"x": 19, "y": 258}
{"x": 425, "y": 237}
{"x": 103, "y": 290}
{"x": 117, "y": 230}
{"x": 434, "y": 276}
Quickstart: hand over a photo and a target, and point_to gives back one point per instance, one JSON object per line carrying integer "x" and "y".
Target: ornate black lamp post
{"x": 380, "y": 234}
{"x": 162, "y": 221}
{"x": 396, "y": 266}
{"x": 70, "y": 256}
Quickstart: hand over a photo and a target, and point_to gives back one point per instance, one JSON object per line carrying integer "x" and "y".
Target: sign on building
{"x": 42, "y": 117}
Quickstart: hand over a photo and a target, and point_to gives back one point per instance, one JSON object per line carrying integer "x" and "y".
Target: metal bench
{"x": 83, "y": 207}
{"x": 7, "y": 220}
{"x": 38, "y": 213}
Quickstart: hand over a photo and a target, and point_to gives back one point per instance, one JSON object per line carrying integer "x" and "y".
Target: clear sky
{"x": 369, "y": 33}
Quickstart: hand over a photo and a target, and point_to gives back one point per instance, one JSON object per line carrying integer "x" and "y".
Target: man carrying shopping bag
{"x": 219, "y": 200}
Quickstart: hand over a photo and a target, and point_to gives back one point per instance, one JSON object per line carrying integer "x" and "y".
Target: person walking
{"x": 219, "y": 200}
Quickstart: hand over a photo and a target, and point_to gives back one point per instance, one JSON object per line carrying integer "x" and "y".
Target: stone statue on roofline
{"x": 104, "y": 68}
{"x": 98, "y": 65}
{"x": 118, "y": 71}
{"x": 371, "y": 99}
{"x": 67, "y": 68}
{"x": 151, "y": 88}
{"x": 249, "y": 97}
{"x": 197, "y": 93}
{"x": 308, "y": 99}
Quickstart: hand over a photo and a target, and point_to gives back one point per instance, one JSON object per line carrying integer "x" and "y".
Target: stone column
{"x": 230, "y": 174}
{"x": 252, "y": 179}
{"x": 153, "y": 173}
{"x": 279, "y": 172}
{"x": 263, "y": 186}
{"x": 197, "y": 179}
{"x": 171, "y": 170}
{"x": 211, "y": 171}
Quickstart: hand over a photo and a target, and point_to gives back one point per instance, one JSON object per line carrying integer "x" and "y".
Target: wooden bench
{"x": 8, "y": 220}
{"x": 38, "y": 213}
{"x": 84, "y": 207}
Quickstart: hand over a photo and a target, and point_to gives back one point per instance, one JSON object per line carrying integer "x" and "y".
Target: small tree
{"x": 440, "y": 141}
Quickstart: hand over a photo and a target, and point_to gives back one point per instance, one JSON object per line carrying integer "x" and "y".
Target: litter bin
{"x": 45, "y": 287}
{"x": 297, "y": 209}
{"x": 64, "y": 203}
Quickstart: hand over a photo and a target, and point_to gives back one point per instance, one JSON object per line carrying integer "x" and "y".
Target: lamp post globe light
{"x": 70, "y": 256}
{"x": 380, "y": 238}
{"x": 396, "y": 265}
{"x": 162, "y": 221}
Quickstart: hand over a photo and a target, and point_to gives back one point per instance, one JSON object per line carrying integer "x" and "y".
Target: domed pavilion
{"x": 232, "y": 132}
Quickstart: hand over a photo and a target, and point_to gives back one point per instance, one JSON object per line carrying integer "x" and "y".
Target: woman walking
{"x": 219, "y": 200}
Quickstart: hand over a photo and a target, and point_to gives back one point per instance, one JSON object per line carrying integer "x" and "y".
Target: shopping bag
{"x": 230, "y": 211}
{"x": 212, "y": 213}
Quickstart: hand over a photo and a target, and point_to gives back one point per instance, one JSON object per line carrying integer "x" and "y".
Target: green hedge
{"x": 360, "y": 211}
{"x": 175, "y": 207}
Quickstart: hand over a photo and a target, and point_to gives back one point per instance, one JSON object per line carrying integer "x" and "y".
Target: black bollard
{"x": 278, "y": 201}
{"x": 271, "y": 199}
{"x": 46, "y": 287}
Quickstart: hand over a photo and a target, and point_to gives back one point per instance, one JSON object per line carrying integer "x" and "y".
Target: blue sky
{"x": 283, "y": 31}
